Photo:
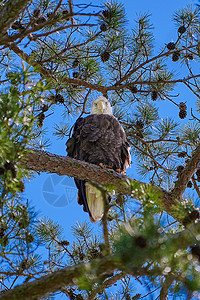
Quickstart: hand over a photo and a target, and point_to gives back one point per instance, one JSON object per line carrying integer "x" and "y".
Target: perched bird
{"x": 98, "y": 139}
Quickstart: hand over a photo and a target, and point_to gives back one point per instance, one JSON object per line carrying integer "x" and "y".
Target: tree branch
{"x": 165, "y": 287}
{"x": 47, "y": 73}
{"x": 80, "y": 82}
{"x": 41, "y": 161}
{"x": 106, "y": 284}
{"x": 55, "y": 281}
{"x": 186, "y": 174}
{"x": 9, "y": 13}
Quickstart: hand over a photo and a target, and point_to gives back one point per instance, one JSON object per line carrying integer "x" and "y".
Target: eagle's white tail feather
{"x": 95, "y": 200}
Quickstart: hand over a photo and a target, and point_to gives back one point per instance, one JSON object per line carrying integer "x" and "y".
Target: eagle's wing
{"x": 98, "y": 139}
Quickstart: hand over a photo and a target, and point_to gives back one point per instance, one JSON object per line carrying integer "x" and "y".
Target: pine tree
{"x": 150, "y": 228}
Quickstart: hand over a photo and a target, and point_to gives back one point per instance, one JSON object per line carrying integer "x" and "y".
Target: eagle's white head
{"x": 101, "y": 105}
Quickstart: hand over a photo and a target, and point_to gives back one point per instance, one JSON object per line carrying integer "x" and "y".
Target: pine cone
{"x": 4, "y": 241}
{"x": 106, "y": 14}
{"x": 10, "y": 166}
{"x": 190, "y": 56}
{"x": 44, "y": 107}
{"x": 182, "y": 106}
{"x": 154, "y": 95}
{"x": 182, "y": 154}
{"x": 179, "y": 169}
{"x": 198, "y": 173}
{"x": 182, "y": 114}
{"x": 189, "y": 185}
{"x": 23, "y": 265}
{"x": 75, "y": 74}
{"x": 17, "y": 25}
{"x": 65, "y": 12}
{"x": 139, "y": 124}
{"x": 36, "y": 13}
{"x": 29, "y": 238}
{"x": 59, "y": 98}
{"x": 182, "y": 29}
{"x": 127, "y": 296}
{"x": 50, "y": 15}
{"x": 133, "y": 88}
{"x": 171, "y": 46}
{"x": 64, "y": 243}
{"x": 75, "y": 63}
{"x": 23, "y": 223}
{"x": 140, "y": 134}
{"x": 175, "y": 56}
{"x": 94, "y": 253}
{"x": 41, "y": 119}
{"x": 40, "y": 20}
{"x": 103, "y": 27}
{"x": 105, "y": 56}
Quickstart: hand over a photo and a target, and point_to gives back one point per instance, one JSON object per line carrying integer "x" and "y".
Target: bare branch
{"x": 71, "y": 10}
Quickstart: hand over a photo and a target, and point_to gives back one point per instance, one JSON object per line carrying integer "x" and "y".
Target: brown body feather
{"x": 98, "y": 139}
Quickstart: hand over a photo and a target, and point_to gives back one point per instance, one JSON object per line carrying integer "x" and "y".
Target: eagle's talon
{"x": 118, "y": 171}
{"x": 109, "y": 167}
{"x": 101, "y": 165}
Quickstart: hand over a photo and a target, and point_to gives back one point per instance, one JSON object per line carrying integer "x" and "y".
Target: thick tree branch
{"x": 65, "y": 277}
{"x": 165, "y": 287}
{"x": 9, "y": 13}
{"x": 41, "y": 161}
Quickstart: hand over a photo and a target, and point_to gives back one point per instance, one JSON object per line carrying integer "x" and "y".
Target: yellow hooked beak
{"x": 101, "y": 106}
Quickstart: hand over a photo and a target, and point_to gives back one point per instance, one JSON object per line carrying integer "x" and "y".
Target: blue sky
{"x": 55, "y": 196}
{"x": 161, "y": 16}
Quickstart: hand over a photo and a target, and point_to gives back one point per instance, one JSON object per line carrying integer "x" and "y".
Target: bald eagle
{"x": 98, "y": 139}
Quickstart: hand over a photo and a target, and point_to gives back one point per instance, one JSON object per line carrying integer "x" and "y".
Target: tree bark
{"x": 53, "y": 282}
{"x": 41, "y": 161}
